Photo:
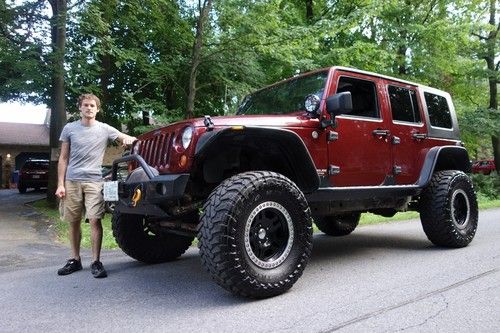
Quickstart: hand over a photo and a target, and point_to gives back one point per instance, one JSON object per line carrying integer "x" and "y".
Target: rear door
{"x": 358, "y": 150}
{"x": 408, "y": 131}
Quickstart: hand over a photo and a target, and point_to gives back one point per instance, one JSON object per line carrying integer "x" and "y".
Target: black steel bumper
{"x": 155, "y": 191}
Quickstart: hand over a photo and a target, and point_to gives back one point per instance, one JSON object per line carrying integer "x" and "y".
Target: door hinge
{"x": 396, "y": 140}
{"x": 333, "y": 170}
{"x": 396, "y": 170}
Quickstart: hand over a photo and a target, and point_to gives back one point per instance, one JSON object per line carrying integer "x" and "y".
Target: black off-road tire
{"x": 338, "y": 225}
{"x": 448, "y": 209}
{"x": 141, "y": 243}
{"x": 255, "y": 236}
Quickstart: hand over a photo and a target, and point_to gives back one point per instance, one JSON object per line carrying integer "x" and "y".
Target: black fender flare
{"x": 443, "y": 158}
{"x": 291, "y": 146}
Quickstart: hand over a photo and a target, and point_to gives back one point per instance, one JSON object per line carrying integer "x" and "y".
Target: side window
{"x": 439, "y": 112}
{"x": 404, "y": 105}
{"x": 364, "y": 96}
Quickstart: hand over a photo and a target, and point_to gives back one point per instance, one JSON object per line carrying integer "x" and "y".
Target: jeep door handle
{"x": 419, "y": 136}
{"x": 381, "y": 133}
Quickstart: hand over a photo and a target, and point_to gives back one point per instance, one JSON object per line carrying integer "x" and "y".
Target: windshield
{"x": 285, "y": 97}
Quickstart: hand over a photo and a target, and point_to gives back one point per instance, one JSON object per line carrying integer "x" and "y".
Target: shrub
{"x": 487, "y": 186}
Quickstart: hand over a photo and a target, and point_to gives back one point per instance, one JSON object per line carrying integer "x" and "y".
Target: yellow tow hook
{"x": 136, "y": 197}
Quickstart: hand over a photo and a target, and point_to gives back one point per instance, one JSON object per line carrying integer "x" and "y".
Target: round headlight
{"x": 312, "y": 103}
{"x": 187, "y": 136}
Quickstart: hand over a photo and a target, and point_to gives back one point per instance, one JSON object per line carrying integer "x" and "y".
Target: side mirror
{"x": 339, "y": 104}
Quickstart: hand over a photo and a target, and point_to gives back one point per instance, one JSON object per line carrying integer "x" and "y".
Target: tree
{"x": 136, "y": 60}
{"x": 35, "y": 71}
{"x": 204, "y": 10}
{"x": 58, "y": 110}
{"x": 489, "y": 43}
{"x": 23, "y": 58}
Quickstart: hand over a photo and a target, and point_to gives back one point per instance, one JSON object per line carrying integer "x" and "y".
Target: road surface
{"x": 381, "y": 278}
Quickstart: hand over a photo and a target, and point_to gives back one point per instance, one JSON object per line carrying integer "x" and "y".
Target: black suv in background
{"x": 33, "y": 174}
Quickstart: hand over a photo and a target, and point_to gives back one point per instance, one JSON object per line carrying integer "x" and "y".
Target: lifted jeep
{"x": 325, "y": 146}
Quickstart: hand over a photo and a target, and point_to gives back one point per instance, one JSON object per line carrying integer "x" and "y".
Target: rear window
{"x": 439, "y": 111}
{"x": 404, "y": 105}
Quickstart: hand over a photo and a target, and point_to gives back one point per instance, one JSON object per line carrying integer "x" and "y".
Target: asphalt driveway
{"x": 26, "y": 239}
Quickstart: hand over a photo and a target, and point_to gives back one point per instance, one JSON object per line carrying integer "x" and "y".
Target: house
{"x": 19, "y": 141}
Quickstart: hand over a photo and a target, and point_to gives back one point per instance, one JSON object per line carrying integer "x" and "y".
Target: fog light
{"x": 161, "y": 189}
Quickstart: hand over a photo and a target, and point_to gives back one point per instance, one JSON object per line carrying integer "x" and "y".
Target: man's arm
{"x": 62, "y": 165}
{"x": 126, "y": 139}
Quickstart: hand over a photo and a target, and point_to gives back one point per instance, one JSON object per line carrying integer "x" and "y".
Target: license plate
{"x": 111, "y": 191}
{"x": 35, "y": 176}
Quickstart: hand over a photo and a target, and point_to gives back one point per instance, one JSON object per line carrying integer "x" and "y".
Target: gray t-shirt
{"x": 87, "y": 145}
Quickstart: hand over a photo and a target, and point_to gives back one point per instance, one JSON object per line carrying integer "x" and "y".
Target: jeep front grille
{"x": 156, "y": 150}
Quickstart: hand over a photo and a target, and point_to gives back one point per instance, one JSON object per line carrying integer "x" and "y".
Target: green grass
{"x": 61, "y": 227}
{"x": 485, "y": 203}
{"x": 108, "y": 241}
{"x": 368, "y": 218}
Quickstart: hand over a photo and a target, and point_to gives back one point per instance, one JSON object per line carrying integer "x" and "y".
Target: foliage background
{"x": 137, "y": 55}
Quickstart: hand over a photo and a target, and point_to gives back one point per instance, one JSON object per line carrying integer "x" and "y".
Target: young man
{"x": 80, "y": 181}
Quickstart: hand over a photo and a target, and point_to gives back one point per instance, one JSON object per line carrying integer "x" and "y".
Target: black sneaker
{"x": 98, "y": 270}
{"x": 72, "y": 265}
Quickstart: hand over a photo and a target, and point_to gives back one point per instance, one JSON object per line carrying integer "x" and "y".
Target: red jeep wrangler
{"x": 325, "y": 146}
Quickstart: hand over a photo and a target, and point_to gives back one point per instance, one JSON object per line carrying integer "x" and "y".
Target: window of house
{"x": 364, "y": 96}
{"x": 404, "y": 105}
{"x": 439, "y": 112}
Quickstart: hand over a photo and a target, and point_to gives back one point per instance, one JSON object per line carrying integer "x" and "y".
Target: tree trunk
{"x": 402, "y": 60}
{"x": 108, "y": 12}
{"x": 309, "y": 11}
{"x": 196, "y": 55}
{"x": 105, "y": 60}
{"x": 492, "y": 78}
{"x": 58, "y": 110}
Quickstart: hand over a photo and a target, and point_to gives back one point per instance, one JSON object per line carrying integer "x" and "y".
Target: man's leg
{"x": 96, "y": 237}
{"x": 94, "y": 204}
{"x": 75, "y": 238}
{"x": 73, "y": 208}
{"x": 72, "y": 214}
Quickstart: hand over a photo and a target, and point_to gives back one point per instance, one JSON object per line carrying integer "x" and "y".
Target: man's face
{"x": 88, "y": 109}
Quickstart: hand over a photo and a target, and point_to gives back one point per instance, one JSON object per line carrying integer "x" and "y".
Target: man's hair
{"x": 89, "y": 96}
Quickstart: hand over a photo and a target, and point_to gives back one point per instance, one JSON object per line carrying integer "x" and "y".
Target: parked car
{"x": 33, "y": 174}
{"x": 483, "y": 166}
{"x": 325, "y": 146}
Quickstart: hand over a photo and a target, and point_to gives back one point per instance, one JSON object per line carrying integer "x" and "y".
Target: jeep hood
{"x": 298, "y": 119}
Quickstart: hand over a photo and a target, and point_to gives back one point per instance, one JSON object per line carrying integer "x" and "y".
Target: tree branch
{"x": 76, "y": 4}
{"x": 479, "y": 36}
{"x": 433, "y": 4}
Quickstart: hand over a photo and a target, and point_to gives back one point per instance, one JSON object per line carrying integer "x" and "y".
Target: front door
{"x": 359, "y": 151}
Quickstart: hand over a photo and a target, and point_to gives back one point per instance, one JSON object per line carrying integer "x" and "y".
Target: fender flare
{"x": 291, "y": 147}
{"x": 443, "y": 158}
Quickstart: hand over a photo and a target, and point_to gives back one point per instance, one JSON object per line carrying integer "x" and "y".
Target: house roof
{"x": 24, "y": 134}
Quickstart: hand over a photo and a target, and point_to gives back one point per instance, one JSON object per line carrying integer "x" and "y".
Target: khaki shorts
{"x": 82, "y": 199}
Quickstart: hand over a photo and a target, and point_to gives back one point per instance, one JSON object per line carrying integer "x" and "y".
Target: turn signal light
{"x": 183, "y": 161}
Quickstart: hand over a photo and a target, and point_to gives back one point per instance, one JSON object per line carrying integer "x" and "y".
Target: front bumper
{"x": 157, "y": 192}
